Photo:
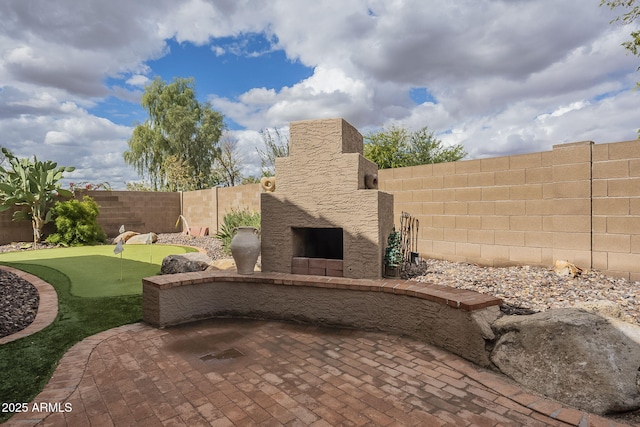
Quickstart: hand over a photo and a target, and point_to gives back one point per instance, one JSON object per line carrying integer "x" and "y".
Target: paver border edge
{"x": 47, "y": 305}
{"x": 515, "y": 393}
{"x": 61, "y": 389}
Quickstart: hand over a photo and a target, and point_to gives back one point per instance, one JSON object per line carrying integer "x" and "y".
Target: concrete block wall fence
{"x": 207, "y": 208}
{"x": 11, "y": 231}
{"x": 616, "y": 208}
{"x": 139, "y": 211}
{"x": 524, "y": 209}
{"x": 145, "y": 211}
{"x": 200, "y": 208}
{"x": 578, "y": 202}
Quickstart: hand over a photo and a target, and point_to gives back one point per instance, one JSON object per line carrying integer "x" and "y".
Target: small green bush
{"x": 76, "y": 223}
{"x": 236, "y": 218}
{"x": 393, "y": 252}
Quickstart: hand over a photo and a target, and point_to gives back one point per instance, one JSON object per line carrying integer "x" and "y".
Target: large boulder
{"x": 123, "y": 237}
{"x": 142, "y": 239}
{"x": 225, "y": 264}
{"x": 185, "y": 263}
{"x": 584, "y": 359}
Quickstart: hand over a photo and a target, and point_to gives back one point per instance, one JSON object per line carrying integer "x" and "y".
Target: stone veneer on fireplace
{"x": 322, "y": 219}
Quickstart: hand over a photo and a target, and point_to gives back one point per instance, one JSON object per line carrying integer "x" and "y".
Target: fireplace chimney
{"x": 326, "y": 216}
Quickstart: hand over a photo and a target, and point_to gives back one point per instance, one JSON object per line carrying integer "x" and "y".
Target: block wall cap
{"x": 456, "y": 298}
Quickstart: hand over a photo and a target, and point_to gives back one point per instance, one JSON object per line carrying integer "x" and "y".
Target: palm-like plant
{"x": 34, "y": 184}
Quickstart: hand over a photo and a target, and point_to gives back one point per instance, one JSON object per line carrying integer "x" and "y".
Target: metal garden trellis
{"x": 409, "y": 227}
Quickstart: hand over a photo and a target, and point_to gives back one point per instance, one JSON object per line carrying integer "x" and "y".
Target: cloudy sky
{"x": 498, "y": 76}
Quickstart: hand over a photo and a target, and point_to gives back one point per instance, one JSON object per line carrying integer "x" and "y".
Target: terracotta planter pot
{"x": 245, "y": 249}
{"x": 392, "y": 272}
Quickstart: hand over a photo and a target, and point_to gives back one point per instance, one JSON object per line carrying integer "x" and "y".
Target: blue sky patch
{"x": 606, "y": 95}
{"x": 420, "y": 95}
{"x": 227, "y": 67}
{"x": 246, "y": 63}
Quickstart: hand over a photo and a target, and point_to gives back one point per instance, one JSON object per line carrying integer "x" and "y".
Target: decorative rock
{"x": 124, "y": 236}
{"x": 605, "y": 308}
{"x": 227, "y": 264}
{"x": 535, "y": 288}
{"x": 141, "y": 239}
{"x": 565, "y": 268}
{"x": 582, "y": 359}
{"x": 185, "y": 263}
{"x": 19, "y": 302}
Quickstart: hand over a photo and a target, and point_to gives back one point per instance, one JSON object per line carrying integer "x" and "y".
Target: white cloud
{"x": 507, "y": 76}
{"x": 327, "y": 93}
{"x": 138, "y": 80}
{"x": 218, "y": 50}
{"x": 248, "y": 142}
{"x": 494, "y": 67}
{"x": 561, "y": 111}
{"x": 54, "y": 137}
{"x": 68, "y": 135}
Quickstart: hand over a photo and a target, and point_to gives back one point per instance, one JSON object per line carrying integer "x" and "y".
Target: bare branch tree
{"x": 276, "y": 145}
{"x": 226, "y": 167}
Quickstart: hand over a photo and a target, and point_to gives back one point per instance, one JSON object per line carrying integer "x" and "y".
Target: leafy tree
{"x": 179, "y": 139}
{"x": 629, "y": 17}
{"x": 276, "y": 145}
{"x": 34, "y": 184}
{"x": 179, "y": 174}
{"x": 86, "y": 185}
{"x": 396, "y": 147}
{"x": 76, "y": 223}
{"x": 250, "y": 180}
{"x": 226, "y": 167}
{"x": 387, "y": 148}
{"x": 138, "y": 186}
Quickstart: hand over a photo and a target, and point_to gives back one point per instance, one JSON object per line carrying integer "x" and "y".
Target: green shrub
{"x": 393, "y": 252}
{"x": 236, "y": 218}
{"x": 76, "y": 223}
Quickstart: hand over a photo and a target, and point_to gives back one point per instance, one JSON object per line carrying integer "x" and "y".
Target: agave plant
{"x": 34, "y": 184}
{"x": 231, "y": 221}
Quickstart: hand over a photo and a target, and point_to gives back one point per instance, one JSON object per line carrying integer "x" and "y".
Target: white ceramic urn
{"x": 245, "y": 249}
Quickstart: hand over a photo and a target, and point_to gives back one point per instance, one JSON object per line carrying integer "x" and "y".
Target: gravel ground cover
{"x": 526, "y": 289}
{"x": 208, "y": 243}
{"x": 18, "y": 303}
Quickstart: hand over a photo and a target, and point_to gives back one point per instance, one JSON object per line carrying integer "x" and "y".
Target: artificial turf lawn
{"x": 95, "y": 271}
{"x": 26, "y": 365}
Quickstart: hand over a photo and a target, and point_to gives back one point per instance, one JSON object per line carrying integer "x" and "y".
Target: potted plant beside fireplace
{"x": 393, "y": 255}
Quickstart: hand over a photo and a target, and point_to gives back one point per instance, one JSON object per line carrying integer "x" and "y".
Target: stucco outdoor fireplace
{"x": 326, "y": 216}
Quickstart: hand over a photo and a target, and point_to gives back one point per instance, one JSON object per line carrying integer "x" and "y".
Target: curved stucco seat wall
{"x": 453, "y": 319}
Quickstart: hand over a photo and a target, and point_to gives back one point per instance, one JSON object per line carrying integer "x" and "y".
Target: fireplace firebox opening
{"x": 317, "y": 243}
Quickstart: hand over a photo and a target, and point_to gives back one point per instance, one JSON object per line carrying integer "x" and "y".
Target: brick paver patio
{"x": 241, "y": 372}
